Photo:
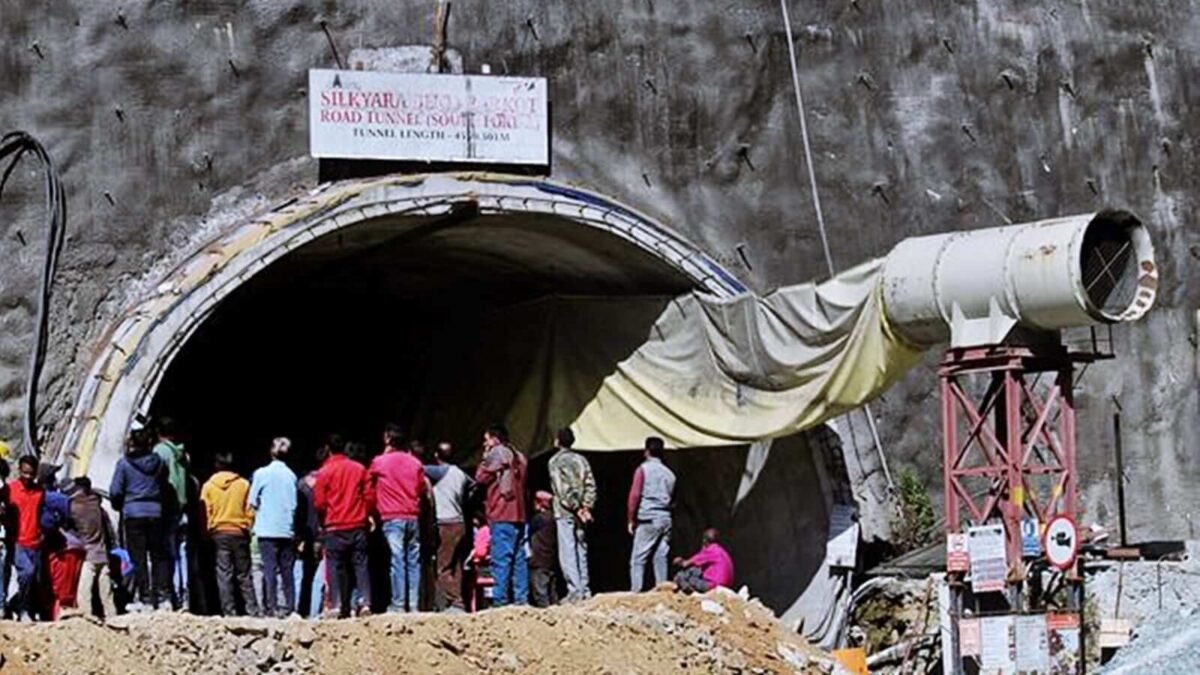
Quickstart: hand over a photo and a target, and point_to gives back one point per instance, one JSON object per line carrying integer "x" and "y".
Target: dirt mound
{"x": 656, "y": 632}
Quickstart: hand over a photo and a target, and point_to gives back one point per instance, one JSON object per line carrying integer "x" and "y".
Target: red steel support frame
{"x": 1014, "y": 430}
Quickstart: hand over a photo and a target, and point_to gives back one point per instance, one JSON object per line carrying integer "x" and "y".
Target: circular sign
{"x": 1061, "y": 542}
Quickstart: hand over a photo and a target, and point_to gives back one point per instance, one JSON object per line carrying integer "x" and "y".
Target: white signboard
{"x": 989, "y": 566}
{"x": 997, "y": 645}
{"x": 422, "y": 117}
{"x": 1033, "y": 644}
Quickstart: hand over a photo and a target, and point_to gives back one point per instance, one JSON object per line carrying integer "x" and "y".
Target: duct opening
{"x": 1111, "y": 260}
{"x": 443, "y": 324}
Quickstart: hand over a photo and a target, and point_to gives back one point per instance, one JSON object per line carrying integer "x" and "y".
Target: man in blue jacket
{"x": 273, "y": 498}
{"x": 137, "y": 491}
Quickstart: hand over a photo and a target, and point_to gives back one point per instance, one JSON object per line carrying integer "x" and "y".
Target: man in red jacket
{"x": 343, "y": 499}
{"x": 398, "y": 479}
{"x": 25, "y": 498}
{"x": 503, "y": 472}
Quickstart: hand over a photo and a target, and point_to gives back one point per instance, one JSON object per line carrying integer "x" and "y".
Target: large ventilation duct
{"x": 973, "y": 288}
{"x": 734, "y": 370}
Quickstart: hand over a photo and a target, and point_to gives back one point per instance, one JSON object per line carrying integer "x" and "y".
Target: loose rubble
{"x": 1169, "y": 644}
{"x": 656, "y": 632}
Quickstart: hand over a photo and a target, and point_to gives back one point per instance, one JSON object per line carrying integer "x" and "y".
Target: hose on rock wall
{"x": 17, "y": 144}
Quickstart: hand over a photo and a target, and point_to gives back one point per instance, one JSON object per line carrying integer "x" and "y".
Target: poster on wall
{"x": 1033, "y": 652}
{"x": 989, "y": 566}
{"x": 354, "y": 114}
{"x": 968, "y": 637}
{"x": 957, "y": 557}
{"x": 1062, "y": 633}
{"x": 997, "y": 645}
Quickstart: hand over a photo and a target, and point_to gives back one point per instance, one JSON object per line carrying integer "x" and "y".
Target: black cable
{"x": 17, "y": 144}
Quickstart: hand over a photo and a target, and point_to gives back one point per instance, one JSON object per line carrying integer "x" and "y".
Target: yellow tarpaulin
{"x": 726, "y": 372}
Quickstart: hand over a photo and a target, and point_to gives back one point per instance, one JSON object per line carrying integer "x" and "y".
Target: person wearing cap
{"x": 543, "y": 552}
{"x": 273, "y": 500}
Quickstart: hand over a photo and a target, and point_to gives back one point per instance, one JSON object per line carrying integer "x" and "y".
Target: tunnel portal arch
{"x": 137, "y": 349}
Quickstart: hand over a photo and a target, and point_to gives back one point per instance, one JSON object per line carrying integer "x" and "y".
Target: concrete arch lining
{"x": 141, "y": 344}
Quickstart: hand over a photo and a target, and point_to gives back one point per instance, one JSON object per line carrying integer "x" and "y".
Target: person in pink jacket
{"x": 712, "y": 566}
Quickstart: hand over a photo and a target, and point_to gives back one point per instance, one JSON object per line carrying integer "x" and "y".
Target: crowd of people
{"x": 282, "y": 544}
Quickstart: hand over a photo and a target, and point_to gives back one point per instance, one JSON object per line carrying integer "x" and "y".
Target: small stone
{"x": 509, "y": 661}
{"x": 712, "y": 607}
{"x": 306, "y": 636}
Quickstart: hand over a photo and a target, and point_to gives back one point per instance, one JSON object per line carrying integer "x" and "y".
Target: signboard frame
{"x": 375, "y": 116}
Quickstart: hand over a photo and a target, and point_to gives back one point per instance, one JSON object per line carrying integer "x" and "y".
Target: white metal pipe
{"x": 974, "y": 287}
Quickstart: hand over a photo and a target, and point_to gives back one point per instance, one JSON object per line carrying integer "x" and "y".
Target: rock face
{"x": 167, "y": 121}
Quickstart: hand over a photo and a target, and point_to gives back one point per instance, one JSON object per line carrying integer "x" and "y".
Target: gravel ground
{"x": 1168, "y": 644}
{"x": 658, "y": 632}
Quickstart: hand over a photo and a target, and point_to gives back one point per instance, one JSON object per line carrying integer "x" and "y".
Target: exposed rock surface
{"x": 925, "y": 117}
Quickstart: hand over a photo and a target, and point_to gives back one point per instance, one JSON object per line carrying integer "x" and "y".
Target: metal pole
{"x": 1118, "y": 450}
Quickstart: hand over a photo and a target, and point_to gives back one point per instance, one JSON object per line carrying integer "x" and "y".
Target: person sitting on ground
{"x": 543, "y": 538}
{"x": 710, "y": 567}
{"x": 94, "y": 529}
{"x": 229, "y": 519}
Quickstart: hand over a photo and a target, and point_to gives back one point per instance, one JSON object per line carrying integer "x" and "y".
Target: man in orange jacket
{"x": 343, "y": 498}
{"x": 228, "y": 517}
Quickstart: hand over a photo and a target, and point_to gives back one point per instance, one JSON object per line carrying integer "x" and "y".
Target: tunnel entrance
{"x": 442, "y": 323}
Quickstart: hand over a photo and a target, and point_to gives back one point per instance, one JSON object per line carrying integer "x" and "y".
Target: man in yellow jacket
{"x": 228, "y": 519}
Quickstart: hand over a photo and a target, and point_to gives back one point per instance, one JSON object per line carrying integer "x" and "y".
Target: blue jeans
{"x": 28, "y": 564}
{"x": 509, "y": 564}
{"x": 317, "y": 588}
{"x": 278, "y": 560}
{"x": 177, "y": 536}
{"x": 651, "y": 541}
{"x": 404, "y": 539}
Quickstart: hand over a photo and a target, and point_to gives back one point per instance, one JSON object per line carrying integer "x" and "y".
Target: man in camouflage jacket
{"x": 574, "y": 496}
